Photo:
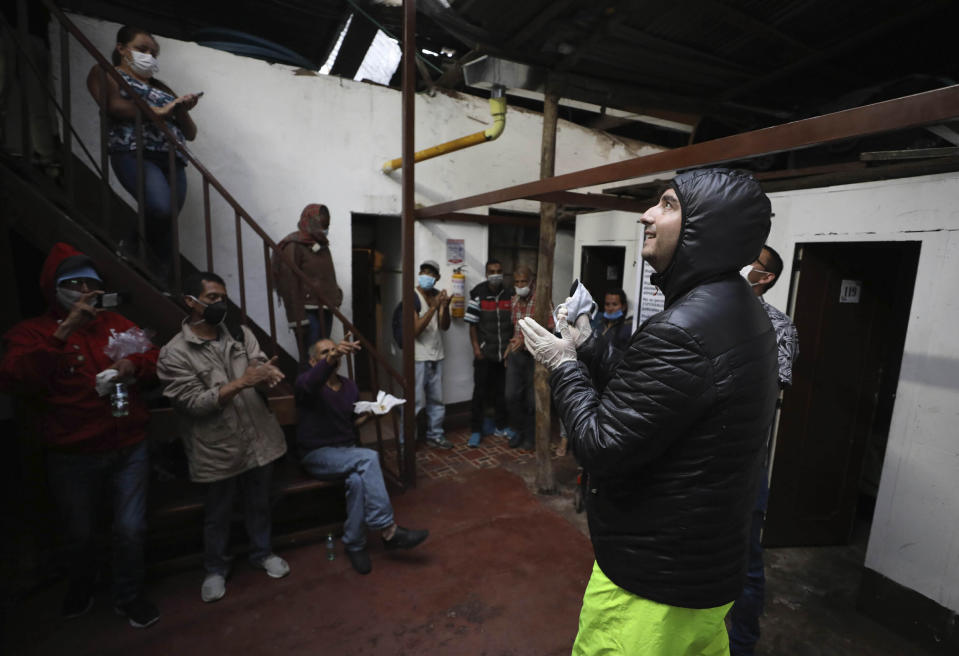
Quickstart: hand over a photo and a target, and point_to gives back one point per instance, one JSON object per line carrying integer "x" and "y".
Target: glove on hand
{"x": 581, "y": 330}
{"x": 547, "y": 349}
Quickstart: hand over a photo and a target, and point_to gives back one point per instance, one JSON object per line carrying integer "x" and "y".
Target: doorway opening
{"x": 377, "y": 286}
{"x": 851, "y": 305}
{"x": 602, "y": 268}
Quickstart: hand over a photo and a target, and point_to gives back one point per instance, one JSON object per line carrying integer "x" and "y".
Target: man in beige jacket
{"x": 230, "y": 436}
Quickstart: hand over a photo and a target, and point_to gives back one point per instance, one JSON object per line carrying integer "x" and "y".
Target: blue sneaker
{"x": 488, "y": 426}
{"x": 474, "y": 441}
{"x": 502, "y": 432}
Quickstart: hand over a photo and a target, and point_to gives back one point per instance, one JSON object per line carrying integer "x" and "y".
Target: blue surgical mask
{"x": 612, "y": 316}
{"x": 426, "y": 281}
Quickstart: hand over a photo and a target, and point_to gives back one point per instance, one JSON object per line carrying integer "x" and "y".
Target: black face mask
{"x": 214, "y": 313}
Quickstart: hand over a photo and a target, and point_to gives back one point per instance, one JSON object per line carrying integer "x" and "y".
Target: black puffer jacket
{"x": 672, "y": 444}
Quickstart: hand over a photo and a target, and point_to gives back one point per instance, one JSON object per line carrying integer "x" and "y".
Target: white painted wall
{"x": 279, "y": 140}
{"x": 915, "y": 529}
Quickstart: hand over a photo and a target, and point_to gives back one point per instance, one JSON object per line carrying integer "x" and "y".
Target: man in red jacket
{"x": 56, "y": 359}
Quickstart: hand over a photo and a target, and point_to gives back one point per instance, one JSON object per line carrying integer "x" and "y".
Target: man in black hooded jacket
{"x": 672, "y": 444}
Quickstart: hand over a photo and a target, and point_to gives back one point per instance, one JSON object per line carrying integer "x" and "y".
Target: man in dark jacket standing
{"x": 673, "y": 443}
{"x": 491, "y": 328}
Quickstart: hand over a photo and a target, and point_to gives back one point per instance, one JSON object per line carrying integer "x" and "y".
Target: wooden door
{"x": 851, "y": 311}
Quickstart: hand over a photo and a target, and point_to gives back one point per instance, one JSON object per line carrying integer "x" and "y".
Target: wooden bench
{"x": 303, "y": 508}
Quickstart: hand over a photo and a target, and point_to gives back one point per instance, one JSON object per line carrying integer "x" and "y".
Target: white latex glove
{"x": 546, "y": 348}
{"x": 581, "y": 330}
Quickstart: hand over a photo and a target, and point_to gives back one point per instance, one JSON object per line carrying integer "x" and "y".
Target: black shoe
{"x": 528, "y": 445}
{"x": 516, "y": 440}
{"x": 405, "y": 538}
{"x": 141, "y": 612}
{"x": 360, "y": 560}
{"x": 79, "y": 599}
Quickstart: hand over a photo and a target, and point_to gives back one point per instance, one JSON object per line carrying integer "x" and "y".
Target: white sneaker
{"x": 275, "y": 566}
{"x": 213, "y": 589}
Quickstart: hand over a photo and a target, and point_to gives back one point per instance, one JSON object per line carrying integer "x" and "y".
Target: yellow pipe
{"x": 497, "y": 107}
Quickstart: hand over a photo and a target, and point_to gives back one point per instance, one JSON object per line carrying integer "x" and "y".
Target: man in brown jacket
{"x": 309, "y": 248}
{"x": 230, "y": 436}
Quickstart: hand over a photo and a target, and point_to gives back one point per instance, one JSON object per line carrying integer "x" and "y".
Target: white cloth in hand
{"x": 546, "y": 348}
{"x": 578, "y": 332}
{"x": 580, "y": 301}
{"x": 384, "y": 403}
{"x": 104, "y": 381}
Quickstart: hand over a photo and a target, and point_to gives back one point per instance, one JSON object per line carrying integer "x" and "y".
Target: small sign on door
{"x": 851, "y": 291}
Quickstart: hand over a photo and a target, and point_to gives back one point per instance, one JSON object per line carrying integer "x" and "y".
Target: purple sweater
{"x": 324, "y": 416}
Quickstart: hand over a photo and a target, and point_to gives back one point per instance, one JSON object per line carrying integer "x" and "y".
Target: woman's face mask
{"x": 426, "y": 281}
{"x": 143, "y": 63}
{"x": 612, "y": 316}
{"x": 317, "y": 228}
{"x": 522, "y": 292}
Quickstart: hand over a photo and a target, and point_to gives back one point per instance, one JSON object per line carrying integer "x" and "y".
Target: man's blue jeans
{"x": 367, "y": 502}
{"x": 744, "y": 616}
{"x": 157, "y": 210}
{"x": 78, "y": 482}
{"x": 254, "y": 487}
{"x": 429, "y": 395}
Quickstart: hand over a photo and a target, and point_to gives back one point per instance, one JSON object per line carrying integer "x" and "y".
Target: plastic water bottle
{"x": 120, "y": 400}
{"x": 330, "y": 547}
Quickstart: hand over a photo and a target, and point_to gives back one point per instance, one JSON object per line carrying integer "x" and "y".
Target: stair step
{"x": 163, "y": 421}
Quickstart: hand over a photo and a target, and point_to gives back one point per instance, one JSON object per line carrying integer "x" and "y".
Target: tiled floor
{"x": 434, "y": 462}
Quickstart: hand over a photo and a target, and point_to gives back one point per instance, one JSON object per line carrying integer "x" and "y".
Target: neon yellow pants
{"x": 614, "y": 621}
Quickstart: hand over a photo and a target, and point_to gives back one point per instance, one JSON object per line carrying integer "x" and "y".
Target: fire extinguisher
{"x": 458, "y": 293}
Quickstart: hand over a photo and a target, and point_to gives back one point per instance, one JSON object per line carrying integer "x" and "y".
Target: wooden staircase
{"x": 304, "y": 508}
{"x": 80, "y": 208}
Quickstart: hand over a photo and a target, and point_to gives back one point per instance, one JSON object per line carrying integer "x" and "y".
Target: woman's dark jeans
{"x": 157, "y": 210}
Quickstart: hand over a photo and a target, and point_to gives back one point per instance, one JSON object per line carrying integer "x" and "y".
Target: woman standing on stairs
{"x": 135, "y": 58}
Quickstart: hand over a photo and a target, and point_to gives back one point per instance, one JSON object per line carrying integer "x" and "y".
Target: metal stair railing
{"x": 404, "y": 474}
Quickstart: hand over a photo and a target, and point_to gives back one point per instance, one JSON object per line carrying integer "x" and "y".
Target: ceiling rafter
{"x": 840, "y": 47}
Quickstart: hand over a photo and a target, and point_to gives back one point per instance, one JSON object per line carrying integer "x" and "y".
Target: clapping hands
{"x": 263, "y": 373}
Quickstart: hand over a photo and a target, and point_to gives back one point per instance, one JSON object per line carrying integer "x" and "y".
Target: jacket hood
{"x": 61, "y": 254}
{"x": 726, "y": 219}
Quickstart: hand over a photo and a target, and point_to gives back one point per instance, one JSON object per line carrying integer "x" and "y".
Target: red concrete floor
{"x": 500, "y": 574}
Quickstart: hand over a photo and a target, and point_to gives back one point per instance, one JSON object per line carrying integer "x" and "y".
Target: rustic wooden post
{"x": 545, "y": 481}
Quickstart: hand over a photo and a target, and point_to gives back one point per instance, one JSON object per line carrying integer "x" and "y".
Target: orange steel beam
{"x": 927, "y": 108}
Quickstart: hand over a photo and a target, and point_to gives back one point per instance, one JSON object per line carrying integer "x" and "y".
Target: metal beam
{"x": 928, "y": 108}
{"x": 488, "y": 219}
{"x": 595, "y": 201}
{"x": 408, "y": 455}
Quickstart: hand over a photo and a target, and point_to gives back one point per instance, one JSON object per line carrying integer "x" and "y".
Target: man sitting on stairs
{"x": 326, "y": 441}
